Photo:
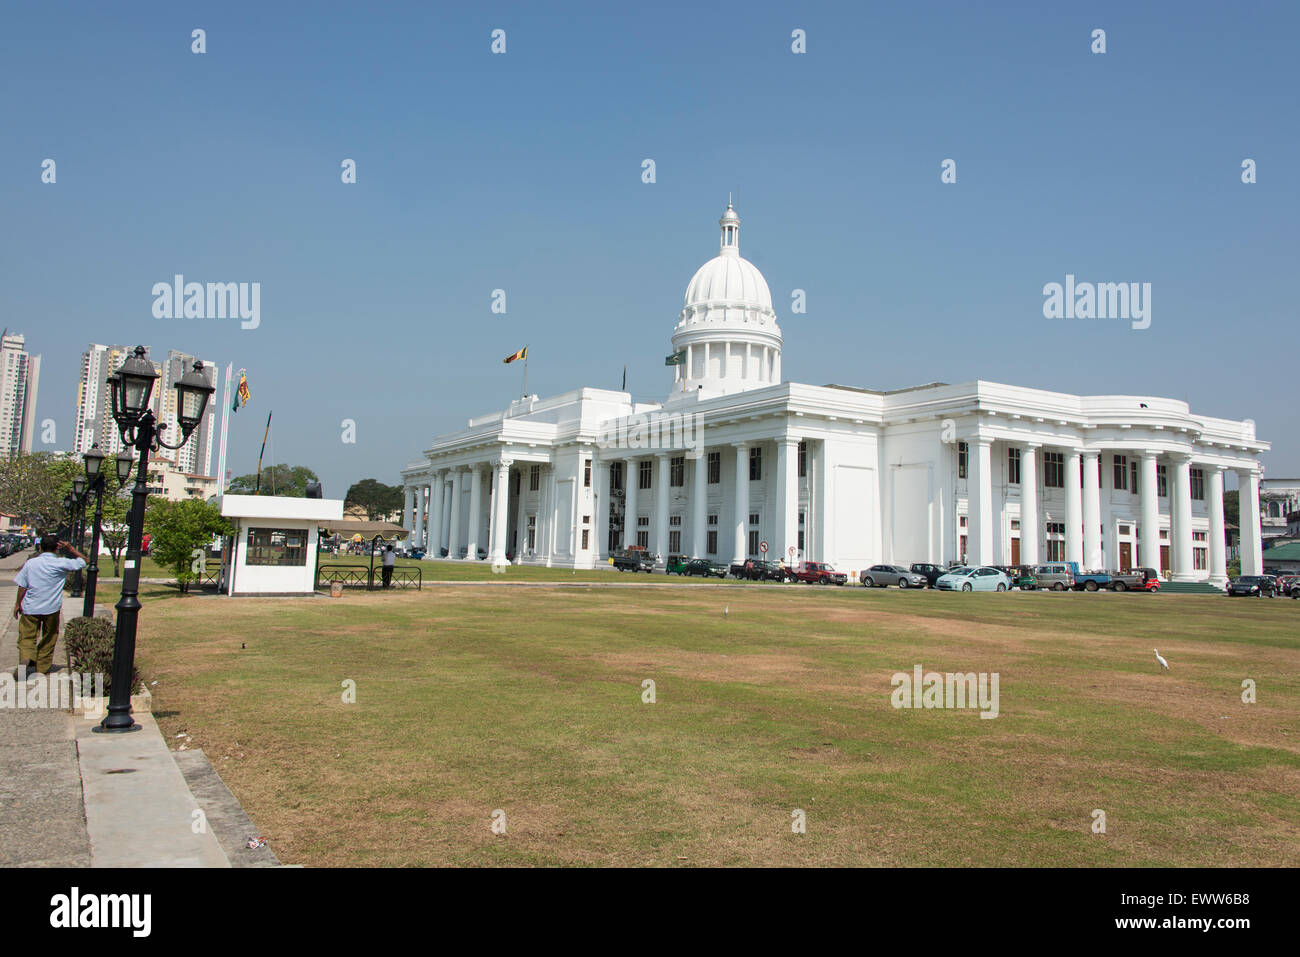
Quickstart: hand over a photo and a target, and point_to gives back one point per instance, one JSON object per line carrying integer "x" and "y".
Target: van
{"x": 1058, "y": 576}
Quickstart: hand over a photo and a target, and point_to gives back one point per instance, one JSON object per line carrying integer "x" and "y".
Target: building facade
{"x": 1279, "y": 501}
{"x": 20, "y": 374}
{"x": 736, "y": 464}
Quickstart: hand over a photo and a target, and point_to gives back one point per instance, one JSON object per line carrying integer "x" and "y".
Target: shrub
{"x": 90, "y": 649}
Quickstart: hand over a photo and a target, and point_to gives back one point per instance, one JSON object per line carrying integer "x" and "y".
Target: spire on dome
{"x": 730, "y": 224}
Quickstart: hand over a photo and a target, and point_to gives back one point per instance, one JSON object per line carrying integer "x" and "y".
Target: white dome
{"x": 727, "y": 338}
{"x": 727, "y": 278}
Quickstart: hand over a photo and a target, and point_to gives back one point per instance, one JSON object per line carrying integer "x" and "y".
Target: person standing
{"x": 40, "y": 599}
{"x": 390, "y": 559}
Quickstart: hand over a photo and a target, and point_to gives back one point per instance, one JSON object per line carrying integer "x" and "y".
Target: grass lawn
{"x": 530, "y": 701}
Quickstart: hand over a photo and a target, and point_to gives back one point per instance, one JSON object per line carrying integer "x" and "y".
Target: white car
{"x": 981, "y": 578}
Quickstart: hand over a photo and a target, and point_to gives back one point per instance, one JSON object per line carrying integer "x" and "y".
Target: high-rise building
{"x": 20, "y": 374}
{"x": 195, "y": 456}
{"x": 95, "y": 412}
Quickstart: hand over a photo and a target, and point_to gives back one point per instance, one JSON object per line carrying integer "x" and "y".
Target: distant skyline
{"x": 523, "y": 172}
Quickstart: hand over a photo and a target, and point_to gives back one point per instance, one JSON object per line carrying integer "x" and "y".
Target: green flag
{"x": 676, "y": 359}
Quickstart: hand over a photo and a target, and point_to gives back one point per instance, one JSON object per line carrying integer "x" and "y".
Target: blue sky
{"x": 523, "y": 172}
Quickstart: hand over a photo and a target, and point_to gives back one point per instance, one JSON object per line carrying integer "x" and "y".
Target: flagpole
{"x": 525, "y": 395}
{"x": 258, "y": 490}
{"x": 225, "y": 434}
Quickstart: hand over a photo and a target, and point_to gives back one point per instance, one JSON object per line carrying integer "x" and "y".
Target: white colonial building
{"x": 735, "y": 458}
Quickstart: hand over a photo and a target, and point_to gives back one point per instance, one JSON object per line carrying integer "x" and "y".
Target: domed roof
{"x": 727, "y": 278}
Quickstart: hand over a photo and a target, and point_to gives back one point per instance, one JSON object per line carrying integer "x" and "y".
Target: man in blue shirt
{"x": 40, "y": 599}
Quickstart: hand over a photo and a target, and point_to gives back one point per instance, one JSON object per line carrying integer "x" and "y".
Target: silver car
{"x": 882, "y": 576}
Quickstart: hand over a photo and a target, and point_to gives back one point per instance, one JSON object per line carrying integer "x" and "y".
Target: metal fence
{"x": 360, "y": 576}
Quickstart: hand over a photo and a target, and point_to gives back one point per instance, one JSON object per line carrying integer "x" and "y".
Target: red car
{"x": 819, "y": 573}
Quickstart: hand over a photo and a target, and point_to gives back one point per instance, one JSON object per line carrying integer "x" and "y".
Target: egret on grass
{"x": 1163, "y": 664}
{"x": 726, "y": 610}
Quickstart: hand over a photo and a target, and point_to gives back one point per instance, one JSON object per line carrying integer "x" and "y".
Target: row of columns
{"x": 444, "y": 523}
{"x": 1083, "y": 511}
{"x": 786, "y": 532}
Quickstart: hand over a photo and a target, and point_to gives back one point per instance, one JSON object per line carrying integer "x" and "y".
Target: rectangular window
{"x": 276, "y": 546}
{"x": 753, "y": 518}
{"x": 1133, "y": 476}
{"x": 756, "y": 464}
{"x": 532, "y": 532}
{"x": 643, "y": 539}
{"x": 753, "y": 541}
{"x": 643, "y": 531}
{"x": 1056, "y": 550}
{"x": 677, "y": 471}
{"x": 643, "y": 473}
{"x": 1121, "y": 473}
{"x": 1013, "y": 466}
{"x": 643, "y": 521}
{"x": 801, "y": 533}
{"x": 1162, "y": 481}
{"x": 961, "y": 547}
{"x": 1200, "y": 560}
{"x": 712, "y": 547}
{"x": 1054, "y": 470}
{"x": 675, "y": 543}
{"x": 1198, "y": 485}
{"x": 616, "y": 477}
{"x": 586, "y": 533}
{"x": 962, "y": 452}
{"x": 534, "y": 478}
{"x": 803, "y": 459}
{"x": 715, "y": 468}
{"x": 1200, "y": 536}
{"x": 586, "y": 473}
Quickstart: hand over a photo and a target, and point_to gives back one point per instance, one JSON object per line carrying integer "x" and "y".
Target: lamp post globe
{"x": 94, "y": 462}
{"x": 123, "y": 461}
{"x": 134, "y": 387}
{"x": 192, "y": 394}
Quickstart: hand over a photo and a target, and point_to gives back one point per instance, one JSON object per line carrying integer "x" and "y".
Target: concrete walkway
{"x": 73, "y": 798}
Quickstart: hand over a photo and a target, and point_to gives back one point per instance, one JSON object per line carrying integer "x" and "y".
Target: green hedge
{"x": 90, "y": 649}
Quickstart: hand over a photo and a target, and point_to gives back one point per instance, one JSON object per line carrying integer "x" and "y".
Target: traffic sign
{"x": 762, "y": 547}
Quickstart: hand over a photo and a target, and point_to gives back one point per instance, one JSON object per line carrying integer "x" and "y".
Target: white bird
{"x": 1163, "y": 664}
{"x": 726, "y": 610}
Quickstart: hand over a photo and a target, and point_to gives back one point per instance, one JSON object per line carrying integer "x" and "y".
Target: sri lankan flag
{"x": 242, "y": 395}
{"x": 676, "y": 359}
{"x": 521, "y": 354}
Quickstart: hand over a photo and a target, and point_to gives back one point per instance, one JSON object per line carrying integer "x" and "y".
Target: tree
{"x": 1231, "y": 509}
{"x": 179, "y": 530}
{"x": 378, "y": 500}
{"x": 113, "y": 528}
{"x": 33, "y": 485}
{"x": 290, "y": 480}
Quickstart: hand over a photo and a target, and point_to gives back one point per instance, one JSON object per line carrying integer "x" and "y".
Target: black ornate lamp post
{"x": 130, "y": 388}
{"x": 94, "y": 462}
{"x": 78, "y": 530}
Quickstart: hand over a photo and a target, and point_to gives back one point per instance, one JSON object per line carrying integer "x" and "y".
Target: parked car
{"x": 1139, "y": 579}
{"x": 931, "y": 572}
{"x": 1058, "y": 576}
{"x": 1025, "y": 579}
{"x": 676, "y": 565}
{"x": 882, "y": 576}
{"x": 982, "y": 578}
{"x": 769, "y": 572}
{"x": 1092, "y": 580}
{"x": 632, "y": 560}
{"x": 416, "y": 551}
{"x": 1259, "y": 586}
{"x": 705, "y": 568}
{"x": 819, "y": 573}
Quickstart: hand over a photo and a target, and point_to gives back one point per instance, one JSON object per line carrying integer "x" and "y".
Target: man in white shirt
{"x": 40, "y": 599}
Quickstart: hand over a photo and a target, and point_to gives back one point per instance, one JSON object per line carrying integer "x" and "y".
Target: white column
{"x": 444, "y": 516}
{"x": 1218, "y": 545}
{"x": 740, "y": 551}
{"x": 409, "y": 513}
{"x": 500, "y": 512}
{"x": 1091, "y": 509}
{"x": 1148, "y": 494}
{"x": 700, "y": 507}
{"x": 1251, "y": 536}
{"x": 787, "y": 496}
{"x": 1030, "y": 532}
{"x": 1073, "y": 509}
{"x": 602, "y": 510}
{"x": 454, "y": 521}
{"x": 661, "y": 506}
{"x": 979, "y": 494}
{"x": 1182, "y": 518}
{"x": 631, "y": 477}
{"x": 417, "y": 529}
{"x": 475, "y": 523}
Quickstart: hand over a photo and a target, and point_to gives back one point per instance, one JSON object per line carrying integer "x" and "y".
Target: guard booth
{"x": 274, "y": 548}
